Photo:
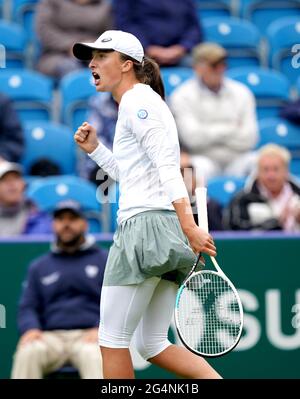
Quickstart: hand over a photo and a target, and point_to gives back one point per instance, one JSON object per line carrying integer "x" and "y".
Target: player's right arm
{"x": 87, "y": 140}
{"x": 86, "y": 137}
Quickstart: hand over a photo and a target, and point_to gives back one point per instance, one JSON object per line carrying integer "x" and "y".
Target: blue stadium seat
{"x": 41, "y": 141}
{"x": 223, "y": 188}
{"x": 23, "y": 12}
{"x": 76, "y": 88}
{"x": 47, "y": 192}
{"x": 174, "y": 76}
{"x": 271, "y": 88}
{"x": 283, "y": 35}
{"x": 13, "y": 38}
{"x": 283, "y": 133}
{"x": 30, "y": 91}
{"x": 240, "y": 38}
{"x": 279, "y": 131}
{"x": 214, "y": 8}
{"x": 264, "y": 12}
{"x": 295, "y": 166}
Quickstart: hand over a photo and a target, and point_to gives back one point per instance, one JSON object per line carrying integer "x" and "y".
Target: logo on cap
{"x": 142, "y": 114}
{"x": 106, "y": 39}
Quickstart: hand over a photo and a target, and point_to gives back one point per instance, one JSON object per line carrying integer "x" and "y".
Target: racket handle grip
{"x": 201, "y": 201}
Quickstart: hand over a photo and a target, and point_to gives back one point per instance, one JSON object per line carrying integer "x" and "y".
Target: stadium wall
{"x": 264, "y": 268}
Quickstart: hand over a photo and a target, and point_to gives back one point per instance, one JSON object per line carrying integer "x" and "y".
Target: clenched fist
{"x": 86, "y": 137}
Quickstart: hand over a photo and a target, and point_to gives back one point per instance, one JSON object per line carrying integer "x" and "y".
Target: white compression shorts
{"x": 146, "y": 307}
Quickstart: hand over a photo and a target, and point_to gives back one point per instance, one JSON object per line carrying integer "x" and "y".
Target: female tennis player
{"x": 156, "y": 240}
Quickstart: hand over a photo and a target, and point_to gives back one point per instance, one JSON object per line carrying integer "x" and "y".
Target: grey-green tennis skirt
{"x": 149, "y": 244}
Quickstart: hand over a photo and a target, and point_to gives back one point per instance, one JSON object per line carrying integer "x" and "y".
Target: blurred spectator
{"x": 61, "y": 23}
{"x": 214, "y": 209}
{"x": 168, "y": 30}
{"x": 11, "y": 134}
{"x": 18, "y": 215}
{"x": 215, "y": 116}
{"x": 291, "y": 111}
{"x": 59, "y": 309}
{"x": 102, "y": 114}
{"x": 270, "y": 201}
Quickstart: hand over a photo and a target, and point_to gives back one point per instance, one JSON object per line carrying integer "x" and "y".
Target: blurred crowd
{"x": 219, "y": 136}
{"x": 215, "y": 115}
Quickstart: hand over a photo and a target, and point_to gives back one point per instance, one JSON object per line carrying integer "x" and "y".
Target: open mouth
{"x": 96, "y": 78}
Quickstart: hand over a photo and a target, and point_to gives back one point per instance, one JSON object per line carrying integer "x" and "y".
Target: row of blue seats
{"x": 101, "y": 211}
{"x": 33, "y": 93}
{"x": 241, "y": 38}
{"x": 41, "y": 140}
{"x": 260, "y": 12}
{"x": 48, "y": 191}
{"x": 246, "y": 46}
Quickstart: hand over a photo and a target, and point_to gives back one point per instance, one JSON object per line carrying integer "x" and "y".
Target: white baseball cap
{"x": 6, "y": 167}
{"x": 117, "y": 40}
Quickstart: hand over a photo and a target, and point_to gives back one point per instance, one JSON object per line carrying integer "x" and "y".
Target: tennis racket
{"x": 208, "y": 310}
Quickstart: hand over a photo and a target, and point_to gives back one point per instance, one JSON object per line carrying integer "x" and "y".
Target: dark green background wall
{"x": 265, "y": 270}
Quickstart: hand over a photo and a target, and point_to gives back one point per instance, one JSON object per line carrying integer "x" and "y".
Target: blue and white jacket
{"x": 62, "y": 291}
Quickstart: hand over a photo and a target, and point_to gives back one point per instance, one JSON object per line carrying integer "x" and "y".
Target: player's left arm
{"x": 199, "y": 240}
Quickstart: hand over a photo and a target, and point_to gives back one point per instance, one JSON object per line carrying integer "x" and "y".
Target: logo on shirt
{"x": 142, "y": 114}
{"x": 91, "y": 271}
{"x": 50, "y": 279}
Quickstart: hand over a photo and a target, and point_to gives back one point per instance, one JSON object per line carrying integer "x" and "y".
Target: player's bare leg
{"x": 117, "y": 363}
{"x": 184, "y": 363}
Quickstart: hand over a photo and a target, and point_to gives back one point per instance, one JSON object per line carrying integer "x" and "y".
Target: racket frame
{"x": 219, "y": 272}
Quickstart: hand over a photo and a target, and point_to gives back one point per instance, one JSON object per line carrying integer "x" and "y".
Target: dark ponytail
{"x": 148, "y": 72}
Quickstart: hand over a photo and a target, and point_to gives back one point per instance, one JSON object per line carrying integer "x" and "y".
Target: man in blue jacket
{"x": 167, "y": 29}
{"x": 59, "y": 309}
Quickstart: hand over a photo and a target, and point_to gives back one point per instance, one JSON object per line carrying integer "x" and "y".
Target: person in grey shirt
{"x": 59, "y": 23}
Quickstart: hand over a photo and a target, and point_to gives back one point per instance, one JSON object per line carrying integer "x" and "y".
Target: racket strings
{"x": 209, "y": 314}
